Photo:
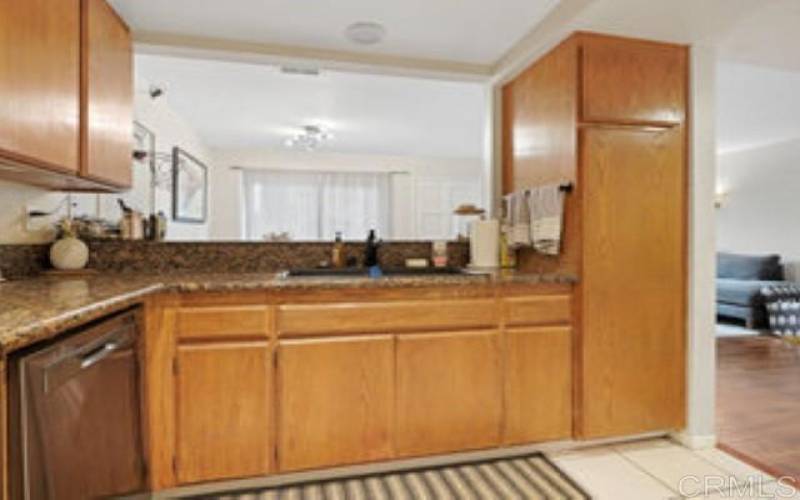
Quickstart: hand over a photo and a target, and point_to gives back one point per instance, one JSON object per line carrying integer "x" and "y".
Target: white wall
{"x": 412, "y": 175}
{"x": 170, "y": 129}
{"x": 760, "y": 209}
{"x": 758, "y": 106}
{"x": 14, "y": 202}
{"x": 759, "y": 161}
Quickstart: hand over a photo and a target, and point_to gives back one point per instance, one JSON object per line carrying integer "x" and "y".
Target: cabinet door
{"x": 538, "y": 384}
{"x": 39, "y": 82}
{"x": 448, "y": 392}
{"x": 634, "y": 281}
{"x": 223, "y": 411}
{"x": 107, "y": 125}
{"x": 633, "y": 81}
{"x": 336, "y": 401}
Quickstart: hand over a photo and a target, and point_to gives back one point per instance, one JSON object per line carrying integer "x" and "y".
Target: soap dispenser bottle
{"x": 337, "y": 255}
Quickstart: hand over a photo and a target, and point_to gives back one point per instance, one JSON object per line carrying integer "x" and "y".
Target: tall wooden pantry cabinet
{"x": 610, "y": 115}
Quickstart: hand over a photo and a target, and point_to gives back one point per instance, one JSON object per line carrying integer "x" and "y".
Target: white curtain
{"x": 311, "y": 206}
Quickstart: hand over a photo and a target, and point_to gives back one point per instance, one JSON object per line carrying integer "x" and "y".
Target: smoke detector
{"x": 365, "y": 33}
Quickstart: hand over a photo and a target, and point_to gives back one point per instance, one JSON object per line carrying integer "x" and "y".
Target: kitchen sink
{"x": 363, "y": 272}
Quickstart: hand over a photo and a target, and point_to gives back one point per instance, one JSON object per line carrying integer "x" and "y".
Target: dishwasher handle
{"x": 71, "y": 364}
{"x": 99, "y": 354}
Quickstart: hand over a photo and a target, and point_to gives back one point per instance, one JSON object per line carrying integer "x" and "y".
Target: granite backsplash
{"x": 20, "y": 261}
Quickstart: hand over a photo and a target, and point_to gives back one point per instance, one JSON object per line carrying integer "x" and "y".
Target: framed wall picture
{"x": 189, "y": 188}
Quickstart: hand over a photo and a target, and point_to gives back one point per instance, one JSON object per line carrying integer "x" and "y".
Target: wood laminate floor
{"x": 758, "y": 402}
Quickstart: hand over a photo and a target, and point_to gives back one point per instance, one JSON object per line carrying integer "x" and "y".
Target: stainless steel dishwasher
{"x": 79, "y": 421}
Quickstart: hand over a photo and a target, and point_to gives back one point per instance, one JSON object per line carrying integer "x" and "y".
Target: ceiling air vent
{"x": 298, "y": 70}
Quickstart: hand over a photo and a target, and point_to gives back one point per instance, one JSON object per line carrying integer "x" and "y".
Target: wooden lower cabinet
{"x": 449, "y": 389}
{"x": 230, "y": 396}
{"x": 335, "y": 400}
{"x": 538, "y": 384}
{"x": 223, "y": 411}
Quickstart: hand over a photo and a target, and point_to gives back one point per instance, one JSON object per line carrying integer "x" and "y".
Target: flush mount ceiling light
{"x": 311, "y": 138}
{"x": 365, "y": 33}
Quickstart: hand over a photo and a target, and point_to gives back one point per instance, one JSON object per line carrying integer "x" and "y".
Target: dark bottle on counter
{"x": 371, "y": 250}
{"x": 157, "y": 227}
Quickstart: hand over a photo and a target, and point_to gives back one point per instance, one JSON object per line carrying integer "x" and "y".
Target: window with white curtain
{"x": 309, "y": 206}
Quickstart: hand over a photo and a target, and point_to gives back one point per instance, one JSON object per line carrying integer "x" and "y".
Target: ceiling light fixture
{"x": 310, "y": 139}
{"x": 365, "y": 33}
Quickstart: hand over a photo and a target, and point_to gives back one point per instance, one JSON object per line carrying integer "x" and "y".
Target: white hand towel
{"x": 546, "y": 205}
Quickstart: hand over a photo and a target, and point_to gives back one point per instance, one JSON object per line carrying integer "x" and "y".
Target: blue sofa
{"x": 740, "y": 279}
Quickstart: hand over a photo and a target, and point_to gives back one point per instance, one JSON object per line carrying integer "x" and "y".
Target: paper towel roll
{"x": 484, "y": 244}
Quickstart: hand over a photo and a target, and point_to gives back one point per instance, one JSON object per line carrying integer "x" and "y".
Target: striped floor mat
{"x": 525, "y": 478}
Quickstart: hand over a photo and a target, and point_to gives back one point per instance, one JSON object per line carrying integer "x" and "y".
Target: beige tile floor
{"x": 660, "y": 469}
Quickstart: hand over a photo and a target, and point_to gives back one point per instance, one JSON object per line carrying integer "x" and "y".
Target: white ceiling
{"x": 680, "y": 21}
{"x": 471, "y": 31}
{"x": 243, "y": 106}
{"x": 767, "y": 36}
{"x": 756, "y": 106}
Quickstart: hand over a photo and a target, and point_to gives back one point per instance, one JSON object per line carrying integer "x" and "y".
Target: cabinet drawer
{"x": 539, "y": 310}
{"x": 223, "y": 322}
{"x": 386, "y": 317}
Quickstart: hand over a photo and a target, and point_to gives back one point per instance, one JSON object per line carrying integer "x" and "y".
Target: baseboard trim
{"x": 695, "y": 441}
{"x": 276, "y": 480}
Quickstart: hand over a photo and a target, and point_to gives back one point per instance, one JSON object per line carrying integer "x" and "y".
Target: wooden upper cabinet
{"x": 107, "y": 90}
{"x": 633, "y": 81}
{"x": 449, "y": 392}
{"x": 39, "y": 83}
{"x": 336, "y": 401}
{"x": 223, "y": 409}
{"x": 545, "y": 93}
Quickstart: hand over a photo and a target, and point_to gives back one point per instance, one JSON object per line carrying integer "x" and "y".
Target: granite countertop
{"x": 36, "y": 309}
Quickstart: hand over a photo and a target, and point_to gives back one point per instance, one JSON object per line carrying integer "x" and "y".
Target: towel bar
{"x": 566, "y": 188}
